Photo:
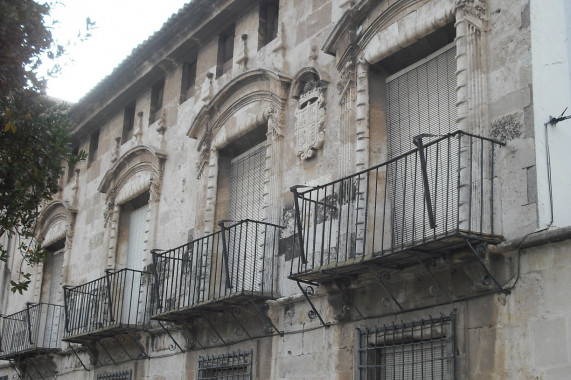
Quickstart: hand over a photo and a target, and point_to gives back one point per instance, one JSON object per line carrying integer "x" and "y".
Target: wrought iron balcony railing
{"x": 35, "y": 330}
{"x": 112, "y": 304}
{"x": 431, "y": 198}
{"x": 234, "y": 262}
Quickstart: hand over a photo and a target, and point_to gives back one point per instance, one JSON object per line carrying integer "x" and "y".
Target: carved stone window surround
{"x": 251, "y": 100}
{"x": 140, "y": 169}
{"x": 56, "y": 222}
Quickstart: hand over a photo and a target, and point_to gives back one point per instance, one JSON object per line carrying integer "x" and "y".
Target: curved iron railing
{"x": 116, "y": 301}
{"x": 236, "y": 260}
{"x": 36, "y": 329}
{"x": 442, "y": 189}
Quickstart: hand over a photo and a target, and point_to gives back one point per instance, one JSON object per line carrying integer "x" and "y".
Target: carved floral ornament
{"x": 476, "y": 8}
{"x": 309, "y": 120}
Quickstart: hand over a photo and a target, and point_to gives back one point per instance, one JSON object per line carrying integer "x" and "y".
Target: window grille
{"x": 235, "y": 366}
{"x": 118, "y": 375}
{"x": 422, "y": 350}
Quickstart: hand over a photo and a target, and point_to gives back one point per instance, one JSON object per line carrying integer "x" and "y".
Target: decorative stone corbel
{"x": 117, "y": 150}
{"x": 473, "y": 8}
{"x": 274, "y": 128}
{"x": 155, "y": 189}
{"x": 204, "y": 156}
{"x": 110, "y": 206}
{"x": 161, "y": 128}
{"x": 346, "y": 77}
{"x": 242, "y": 58}
{"x": 313, "y": 55}
{"x": 206, "y": 89}
{"x": 279, "y": 49}
{"x": 138, "y": 133}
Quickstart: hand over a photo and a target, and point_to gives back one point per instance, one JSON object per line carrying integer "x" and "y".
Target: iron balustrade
{"x": 431, "y": 197}
{"x": 113, "y": 303}
{"x": 237, "y": 260}
{"x": 36, "y": 329}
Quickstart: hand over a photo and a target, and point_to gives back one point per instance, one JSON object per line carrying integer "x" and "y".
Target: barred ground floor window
{"x": 422, "y": 350}
{"x": 234, "y": 365}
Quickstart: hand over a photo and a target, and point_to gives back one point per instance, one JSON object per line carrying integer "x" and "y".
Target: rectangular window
{"x": 117, "y": 375}
{"x": 225, "y": 51}
{"x": 157, "y": 99}
{"x": 268, "y": 28}
{"x": 128, "y": 122}
{"x": 422, "y": 350}
{"x": 235, "y": 365}
{"x": 93, "y": 147}
{"x": 188, "y": 80}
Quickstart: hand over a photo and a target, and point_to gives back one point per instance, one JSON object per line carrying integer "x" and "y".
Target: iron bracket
{"x": 77, "y": 356}
{"x": 386, "y": 289}
{"x": 268, "y": 319}
{"x": 482, "y": 249}
{"x": 312, "y": 305}
{"x": 170, "y": 335}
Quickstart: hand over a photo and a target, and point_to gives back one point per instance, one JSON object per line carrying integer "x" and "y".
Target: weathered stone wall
{"x": 521, "y": 335}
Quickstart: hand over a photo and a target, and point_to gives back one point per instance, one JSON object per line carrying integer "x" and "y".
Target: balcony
{"x": 33, "y": 331}
{"x": 428, "y": 201}
{"x": 232, "y": 266}
{"x": 113, "y": 304}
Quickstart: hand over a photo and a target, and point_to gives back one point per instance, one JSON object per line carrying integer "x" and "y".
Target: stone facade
{"x": 314, "y": 189}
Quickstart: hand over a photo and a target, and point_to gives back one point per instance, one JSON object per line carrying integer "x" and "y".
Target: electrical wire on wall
{"x": 553, "y": 122}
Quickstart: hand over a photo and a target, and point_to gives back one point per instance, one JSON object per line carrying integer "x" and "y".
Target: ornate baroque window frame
{"x": 140, "y": 169}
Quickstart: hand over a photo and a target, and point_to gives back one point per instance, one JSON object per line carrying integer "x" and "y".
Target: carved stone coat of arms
{"x": 309, "y": 122}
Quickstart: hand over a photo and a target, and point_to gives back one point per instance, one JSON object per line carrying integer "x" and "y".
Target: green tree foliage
{"x": 34, "y": 137}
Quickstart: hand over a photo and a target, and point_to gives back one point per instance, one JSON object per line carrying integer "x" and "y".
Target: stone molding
{"x": 140, "y": 169}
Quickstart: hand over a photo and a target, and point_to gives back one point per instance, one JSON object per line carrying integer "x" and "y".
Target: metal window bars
{"x": 432, "y": 197}
{"x": 236, "y": 261}
{"x": 117, "y": 375}
{"x": 419, "y": 350}
{"x": 234, "y": 365}
{"x": 111, "y": 304}
{"x": 36, "y": 329}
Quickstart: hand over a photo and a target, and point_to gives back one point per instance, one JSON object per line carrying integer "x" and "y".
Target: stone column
{"x": 472, "y": 108}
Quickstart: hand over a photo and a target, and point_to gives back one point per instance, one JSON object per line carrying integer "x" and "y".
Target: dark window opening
{"x": 421, "y": 350}
{"x": 157, "y": 93}
{"x": 227, "y": 366}
{"x": 225, "y": 51}
{"x": 128, "y": 123}
{"x": 117, "y": 375}
{"x": 188, "y": 80}
{"x": 418, "y": 50}
{"x": 268, "y": 28}
{"x": 93, "y": 147}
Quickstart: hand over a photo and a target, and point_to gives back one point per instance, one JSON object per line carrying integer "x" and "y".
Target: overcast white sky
{"x": 121, "y": 25}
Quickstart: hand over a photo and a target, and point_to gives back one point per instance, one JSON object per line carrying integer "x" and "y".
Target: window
{"x": 422, "y": 350}
{"x": 236, "y": 366}
{"x": 157, "y": 99}
{"x": 93, "y": 146}
{"x": 128, "y": 122}
{"x": 118, "y": 375}
{"x": 420, "y": 99}
{"x": 52, "y": 274}
{"x": 225, "y": 51}
{"x": 268, "y": 28}
{"x": 188, "y": 80}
